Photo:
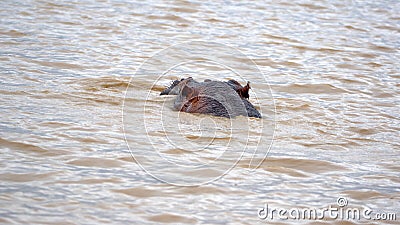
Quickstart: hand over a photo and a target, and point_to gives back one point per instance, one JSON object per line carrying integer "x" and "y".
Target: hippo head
{"x": 202, "y": 97}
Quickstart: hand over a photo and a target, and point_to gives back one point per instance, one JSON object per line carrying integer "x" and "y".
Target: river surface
{"x": 86, "y": 139}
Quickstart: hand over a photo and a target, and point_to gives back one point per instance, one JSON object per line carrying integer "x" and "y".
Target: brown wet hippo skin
{"x": 226, "y": 99}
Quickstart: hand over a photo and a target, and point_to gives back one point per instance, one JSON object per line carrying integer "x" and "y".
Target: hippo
{"x": 225, "y": 99}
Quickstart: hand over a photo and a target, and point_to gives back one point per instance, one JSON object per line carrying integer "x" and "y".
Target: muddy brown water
{"x": 332, "y": 66}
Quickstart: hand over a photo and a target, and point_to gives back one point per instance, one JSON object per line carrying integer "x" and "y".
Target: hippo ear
{"x": 244, "y": 91}
{"x": 186, "y": 91}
